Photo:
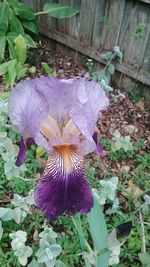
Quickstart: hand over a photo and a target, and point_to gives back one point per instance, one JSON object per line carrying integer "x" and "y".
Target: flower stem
{"x": 78, "y": 225}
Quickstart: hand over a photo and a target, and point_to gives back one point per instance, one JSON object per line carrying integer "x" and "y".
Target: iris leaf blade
{"x": 99, "y": 234}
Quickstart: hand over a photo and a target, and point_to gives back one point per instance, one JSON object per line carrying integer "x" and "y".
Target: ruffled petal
{"x": 27, "y": 109}
{"x": 63, "y": 191}
{"x": 60, "y": 94}
{"x": 91, "y": 100}
{"x": 97, "y": 97}
{"x": 86, "y": 147}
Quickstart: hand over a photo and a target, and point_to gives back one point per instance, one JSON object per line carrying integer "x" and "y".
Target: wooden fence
{"x": 100, "y": 26}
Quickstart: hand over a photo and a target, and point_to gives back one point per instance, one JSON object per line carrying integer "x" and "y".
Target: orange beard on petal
{"x": 66, "y": 155}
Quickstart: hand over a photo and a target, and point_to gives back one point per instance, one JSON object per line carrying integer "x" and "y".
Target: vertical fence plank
{"x": 74, "y": 22}
{"x": 100, "y": 21}
{"x": 101, "y": 25}
{"x": 113, "y": 14}
{"x": 136, "y": 15}
{"x": 87, "y": 13}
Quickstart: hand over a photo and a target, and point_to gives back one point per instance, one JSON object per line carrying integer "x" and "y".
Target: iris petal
{"x": 63, "y": 191}
{"x": 22, "y": 153}
{"x": 99, "y": 148}
{"x": 24, "y": 145}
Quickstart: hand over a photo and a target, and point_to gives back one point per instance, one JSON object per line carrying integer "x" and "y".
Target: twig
{"x": 143, "y": 233}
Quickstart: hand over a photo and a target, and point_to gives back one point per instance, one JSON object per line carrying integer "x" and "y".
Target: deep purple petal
{"x": 23, "y": 146}
{"x": 30, "y": 141}
{"x": 22, "y": 153}
{"x": 99, "y": 148}
{"x": 59, "y": 192}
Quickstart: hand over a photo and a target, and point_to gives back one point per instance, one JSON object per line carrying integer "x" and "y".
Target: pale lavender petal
{"x": 60, "y": 94}
{"x": 82, "y": 116}
{"x": 97, "y": 97}
{"x": 27, "y": 109}
{"x": 59, "y": 192}
{"x": 86, "y": 147}
{"x": 92, "y": 99}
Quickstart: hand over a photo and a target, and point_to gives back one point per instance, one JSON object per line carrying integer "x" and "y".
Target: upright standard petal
{"x": 63, "y": 187}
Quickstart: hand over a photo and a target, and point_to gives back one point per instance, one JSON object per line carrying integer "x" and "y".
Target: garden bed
{"x": 128, "y": 159}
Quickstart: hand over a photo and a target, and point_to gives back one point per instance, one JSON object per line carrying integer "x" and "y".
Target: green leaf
{"x": 60, "y": 264}
{"x": 4, "y": 11}
{"x": 99, "y": 234}
{"x": 4, "y": 66}
{"x": 11, "y": 36}
{"x": 47, "y": 69}
{"x": 21, "y": 49}
{"x": 145, "y": 259}
{"x": 11, "y": 74}
{"x": 15, "y": 24}
{"x": 59, "y": 10}
{"x": 111, "y": 69}
{"x": 34, "y": 263}
{"x": 107, "y": 56}
{"x": 20, "y": 70}
{"x": 2, "y": 47}
{"x": 1, "y": 230}
{"x": 29, "y": 41}
{"x": 32, "y": 26}
{"x": 6, "y": 214}
{"x": 11, "y": 48}
{"x": 17, "y": 214}
{"x": 22, "y": 10}
{"x": 55, "y": 250}
{"x": 4, "y": 95}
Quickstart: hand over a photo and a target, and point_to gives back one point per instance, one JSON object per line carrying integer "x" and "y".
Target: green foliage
{"x": 13, "y": 16}
{"x": 100, "y": 244}
{"x": 139, "y": 32}
{"x": 16, "y": 21}
{"x": 104, "y": 76}
{"x": 114, "y": 244}
{"x": 145, "y": 259}
{"x": 59, "y": 11}
{"x": 48, "y": 70}
{"x": 48, "y": 250}
{"x": 121, "y": 142}
{"x": 22, "y": 252}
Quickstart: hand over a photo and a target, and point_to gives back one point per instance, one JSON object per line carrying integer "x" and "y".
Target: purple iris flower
{"x": 59, "y": 115}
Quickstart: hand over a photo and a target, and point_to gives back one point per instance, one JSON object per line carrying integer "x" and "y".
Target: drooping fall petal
{"x": 63, "y": 188}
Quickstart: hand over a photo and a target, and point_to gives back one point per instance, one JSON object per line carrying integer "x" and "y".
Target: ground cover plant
{"x": 118, "y": 175}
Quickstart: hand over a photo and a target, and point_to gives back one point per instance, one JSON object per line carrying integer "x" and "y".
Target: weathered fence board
{"x": 100, "y": 26}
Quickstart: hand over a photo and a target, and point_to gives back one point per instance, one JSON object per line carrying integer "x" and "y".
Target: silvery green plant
{"x": 48, "y": 250}
{"x": 8, "y": 150}
{"x": 104, "y": 76}
{"x": 21, "y": 208}
{"x": 120, "y": 141}
{"x": 145, "y": 206}
{"x": 116, "y": 239}
{"x": 21, "y": 251}
{"x": 108, "y": 192}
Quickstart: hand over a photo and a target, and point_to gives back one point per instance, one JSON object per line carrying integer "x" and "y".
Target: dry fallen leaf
{"x": 133, "y": 190}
